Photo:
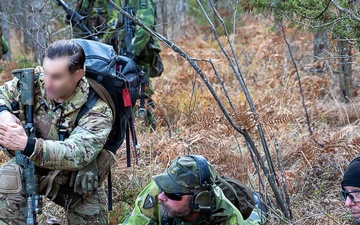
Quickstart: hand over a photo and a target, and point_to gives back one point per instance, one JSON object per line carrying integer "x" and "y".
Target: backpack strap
{"x": 96, "y": 91}
{"x": 90, "y": 102}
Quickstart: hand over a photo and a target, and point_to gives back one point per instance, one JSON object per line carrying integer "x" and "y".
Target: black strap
{"x": 142, "y": 94}
{"x": 128, "y": 152}
{"x": 130, "y": 130}
{"x": 204, "y": 171}
{"x": 110, "y": 203}
{"x": 90, "y": 102}
{"x": 134, "y": 138}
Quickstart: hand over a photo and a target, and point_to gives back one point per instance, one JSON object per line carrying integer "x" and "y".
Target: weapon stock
{"x": 33, "y": 199}
{"x": 76, "y": 18}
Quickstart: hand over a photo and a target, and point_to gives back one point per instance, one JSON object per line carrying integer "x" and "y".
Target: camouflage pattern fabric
{"x": 144, "y": 46}
{"x": 80, "y": 149}
{"x": 4, "y": 45}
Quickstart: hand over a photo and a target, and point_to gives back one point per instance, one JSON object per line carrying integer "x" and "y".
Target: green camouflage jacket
{"x": 86, "y": 140}
{"x": 147, "y": 211}
{"x": 99, "y": 10}
{"x": 4, "y": 45}
{"x": 146, "y": 13}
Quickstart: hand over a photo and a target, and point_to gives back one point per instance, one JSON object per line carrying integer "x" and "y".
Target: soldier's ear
{"x": 79, "y": 74}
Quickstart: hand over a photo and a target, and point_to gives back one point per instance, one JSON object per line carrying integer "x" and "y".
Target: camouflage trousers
{"x": 91, "y": 210}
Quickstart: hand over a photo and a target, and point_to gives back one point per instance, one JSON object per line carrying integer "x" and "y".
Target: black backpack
{"x": 120, "y": 80}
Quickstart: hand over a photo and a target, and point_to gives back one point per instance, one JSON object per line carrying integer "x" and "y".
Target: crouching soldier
{"x": 66, "y": 157}
{"x": 186, "y": 194}
{"x": 350, "y": 189}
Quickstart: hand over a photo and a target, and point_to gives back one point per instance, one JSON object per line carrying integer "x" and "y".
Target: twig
{"x": 282, "y": 33}
{"x": 220, "y": 80}
{"x": 286, "y": 192}
{"x": 347, "y": 11}
{"x": 182, "y": 53}
{"x": 271, "y": 176}
{"x": 241, "y": 80}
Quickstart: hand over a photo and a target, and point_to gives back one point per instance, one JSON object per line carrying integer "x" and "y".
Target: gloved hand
{"x": 87, "y": 180}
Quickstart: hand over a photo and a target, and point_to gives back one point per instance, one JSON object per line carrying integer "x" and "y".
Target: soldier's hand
{"x": 7, "y": 117}
{"x": 38, "y": 69}
{"x": 13, "y": 136}
{"x": 87, "y": 181}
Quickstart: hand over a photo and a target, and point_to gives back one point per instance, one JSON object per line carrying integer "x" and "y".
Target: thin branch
{"x": 220, "y": 80}
{"x": 182, "y": 53}
{"x": 282, "y": 33}
{"x": 241, "y": 80}
{"x": 319, "y": 15}
{"x": 347, "y": 11}
{"x": 283, "y": 179}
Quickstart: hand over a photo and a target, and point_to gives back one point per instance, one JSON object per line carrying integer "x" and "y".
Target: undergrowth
{"x": 189, "y": 121}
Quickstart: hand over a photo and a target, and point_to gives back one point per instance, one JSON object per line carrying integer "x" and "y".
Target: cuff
{"x": 30, "y": 146}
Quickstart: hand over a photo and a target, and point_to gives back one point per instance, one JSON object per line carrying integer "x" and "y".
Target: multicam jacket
{"x": 147, "y": 212}
{"x": 86, "y": 140}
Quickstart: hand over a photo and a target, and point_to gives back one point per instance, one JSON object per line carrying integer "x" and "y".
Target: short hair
{"x": 64, "y": 48}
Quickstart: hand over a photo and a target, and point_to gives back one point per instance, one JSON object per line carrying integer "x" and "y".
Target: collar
{"x": 73, "y": 103}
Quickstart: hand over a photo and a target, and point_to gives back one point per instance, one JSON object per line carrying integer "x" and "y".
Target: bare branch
{"x": 347, "y": 11}
{"x": 282, "y": 32}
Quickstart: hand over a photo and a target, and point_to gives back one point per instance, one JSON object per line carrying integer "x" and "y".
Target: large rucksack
{"x": 238, "y": 194}
{"x": 116, "y": 80}
{"x": 120, "y": 84}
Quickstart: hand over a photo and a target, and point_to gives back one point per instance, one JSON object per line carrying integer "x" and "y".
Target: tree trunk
{"x": 320, "y": 44}
{"x": 34, "y": 38}
{"x": 345, "y": 69}
{"x": 176, "y": 18}
{"x": 39, "y": 31}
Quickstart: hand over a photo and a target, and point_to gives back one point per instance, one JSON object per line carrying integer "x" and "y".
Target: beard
{"x": 167, "y": 212}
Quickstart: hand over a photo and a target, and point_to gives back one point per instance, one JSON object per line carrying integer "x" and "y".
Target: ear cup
{"x": 202, "y": 201}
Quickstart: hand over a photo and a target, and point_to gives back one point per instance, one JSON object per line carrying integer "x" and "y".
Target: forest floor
{"x": 190, "y": 121}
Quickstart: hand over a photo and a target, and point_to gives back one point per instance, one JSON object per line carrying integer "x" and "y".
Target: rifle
{"x": 129, "y": 28}
{"x": 33, "y": 199}
{"x": 76, "y": 18}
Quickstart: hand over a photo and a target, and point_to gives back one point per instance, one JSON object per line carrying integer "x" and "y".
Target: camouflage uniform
{"x": 147, "y": 207}
{"x": 72, "y": 156}
{"x": 144, "y": 46}
{"x": 4, "y": 45}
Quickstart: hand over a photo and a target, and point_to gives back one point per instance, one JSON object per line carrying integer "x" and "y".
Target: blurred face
{"x": 59, "y": 82}
{"x": 353, "y": 201}
{"x": 172, "y": 208}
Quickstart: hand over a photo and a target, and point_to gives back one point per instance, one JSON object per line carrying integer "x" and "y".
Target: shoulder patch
{"x": 143, "y": 4}
{"x": 149, "y": 202}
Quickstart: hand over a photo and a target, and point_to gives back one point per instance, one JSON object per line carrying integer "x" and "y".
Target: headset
{"x": 203, "y": 196}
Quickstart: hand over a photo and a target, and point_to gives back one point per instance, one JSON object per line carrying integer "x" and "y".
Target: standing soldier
{"x": 65, "y": 155}
{"x": 106, "y": 22}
